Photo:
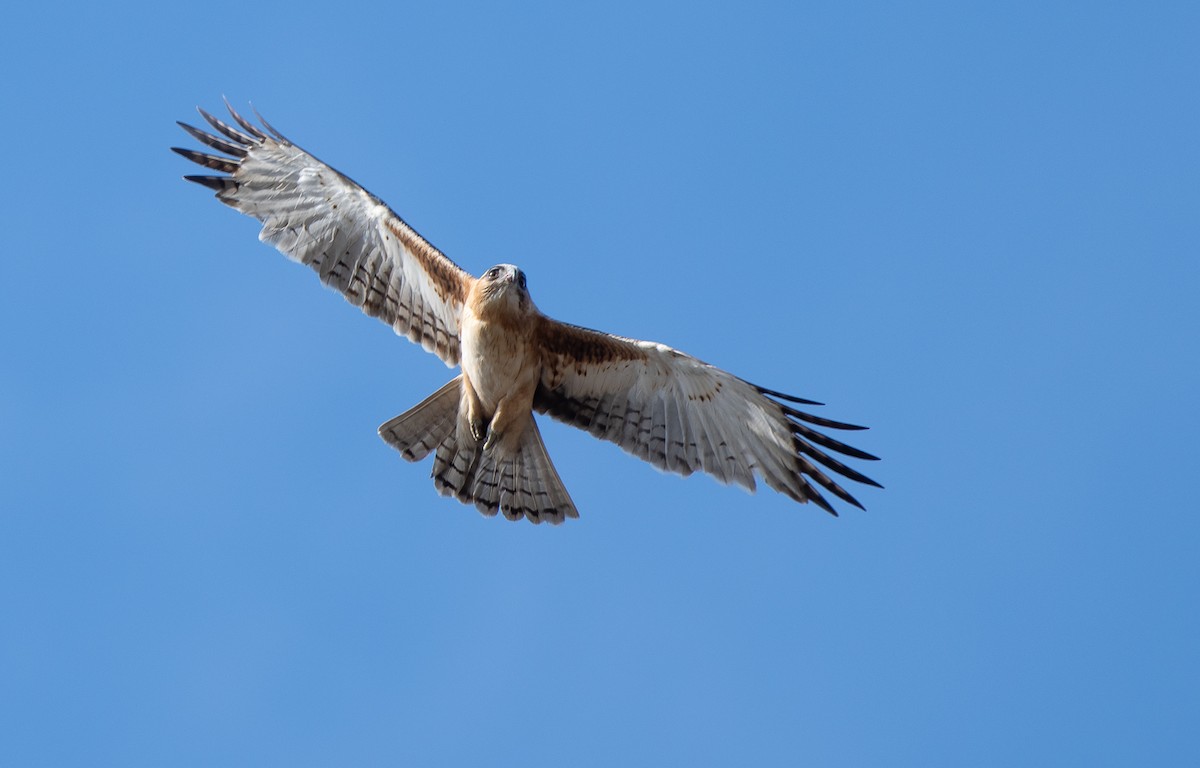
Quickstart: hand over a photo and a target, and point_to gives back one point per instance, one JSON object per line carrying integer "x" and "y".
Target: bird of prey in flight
{"x": 678, "y": 413}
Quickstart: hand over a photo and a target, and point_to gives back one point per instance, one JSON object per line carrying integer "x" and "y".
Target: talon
{"x": 479, "y": 429}
{"x": 491, "y": 441}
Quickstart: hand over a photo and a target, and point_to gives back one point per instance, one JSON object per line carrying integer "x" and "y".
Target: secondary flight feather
{"x": 662, "y": 405}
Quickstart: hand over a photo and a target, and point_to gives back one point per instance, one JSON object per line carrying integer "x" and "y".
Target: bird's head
{"x": 502, "y": 288}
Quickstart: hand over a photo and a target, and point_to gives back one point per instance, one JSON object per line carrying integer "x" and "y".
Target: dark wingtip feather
{"x": 219, "y": 183}
{"x": 806, "y": 469}
{"x": 832, "y": 463}
{"x": 819, "y": 500}
{"x": 246, "y": 124}
{"x": 270, "y": 127}
{"x": 223, "y": 164}
{"x": 830, "y": 443}
{"x": 820, "y": 422}
{"x": 851, "y": 500}
{"x": 207, "y": 138}
{"x": 826, "y": 482}
{"x": 785, "y": 396}
{"x": 226, "y": 129}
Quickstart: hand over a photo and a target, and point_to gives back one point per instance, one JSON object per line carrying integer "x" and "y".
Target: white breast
{"x": 497, "y": 359}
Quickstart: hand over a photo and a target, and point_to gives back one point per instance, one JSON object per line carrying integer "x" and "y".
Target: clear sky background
{"x": 973, "y": 228}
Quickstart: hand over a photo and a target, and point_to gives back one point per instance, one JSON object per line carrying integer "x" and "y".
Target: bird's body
{"x": 678, "y": 413}
{"x": 501, "y": 364}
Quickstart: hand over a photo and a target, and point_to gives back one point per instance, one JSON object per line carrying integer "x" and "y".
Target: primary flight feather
{"x": 676, "y": 412}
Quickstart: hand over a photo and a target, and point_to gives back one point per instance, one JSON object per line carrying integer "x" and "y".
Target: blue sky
{"x": 972, "y": 228}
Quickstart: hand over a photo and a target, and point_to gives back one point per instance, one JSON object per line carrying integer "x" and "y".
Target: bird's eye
{"x": 491, "y": 273}
{"x": 521, "y": 279}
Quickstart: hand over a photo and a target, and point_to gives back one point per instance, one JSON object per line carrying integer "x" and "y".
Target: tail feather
{"x": 426, "y": 425}
{"x": 547, "y": 487}
{"x": 523, "y": 484}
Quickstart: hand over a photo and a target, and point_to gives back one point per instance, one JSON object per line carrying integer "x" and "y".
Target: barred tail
{"x": 524, "y": 484}
{"x": 423, "y": 427}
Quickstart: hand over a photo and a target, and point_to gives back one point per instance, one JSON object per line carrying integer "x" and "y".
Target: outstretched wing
{"x": 683, "y": 415}
{"x": 319, "y": 217}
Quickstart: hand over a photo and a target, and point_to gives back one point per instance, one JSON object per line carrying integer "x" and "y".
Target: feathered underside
{"x": 320, "y": 217}
{"x": 683, "y": 415}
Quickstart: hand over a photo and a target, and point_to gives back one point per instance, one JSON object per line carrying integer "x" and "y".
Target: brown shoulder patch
{"x": 577, "y": 346}
{"x": 449, "y": 280}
